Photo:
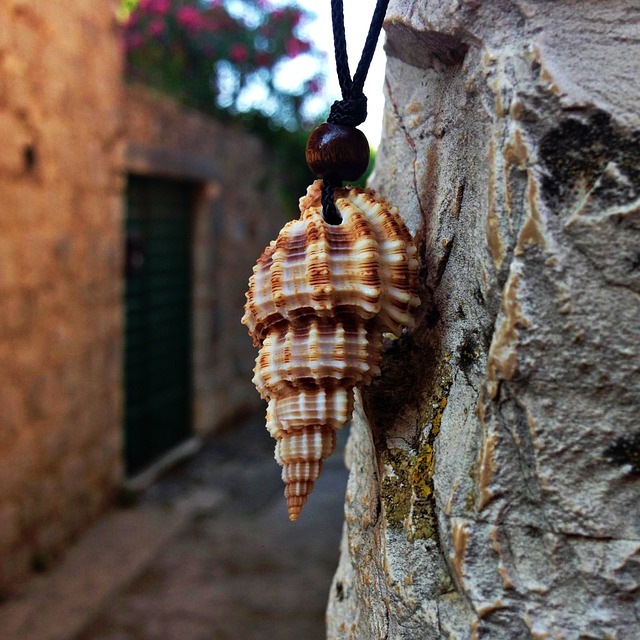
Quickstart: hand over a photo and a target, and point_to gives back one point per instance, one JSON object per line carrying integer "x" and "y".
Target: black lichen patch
{"x": 577, "y": 151}
{"x": 398, "y": 383}
{"x": 339, "y": 591}
{"x": 469, "y": 352}
{"x": 479, "y": 296}
{"x": 626, "y": 451}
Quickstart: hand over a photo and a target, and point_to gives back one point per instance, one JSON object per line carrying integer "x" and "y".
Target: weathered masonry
{"x": 127, "y": 231}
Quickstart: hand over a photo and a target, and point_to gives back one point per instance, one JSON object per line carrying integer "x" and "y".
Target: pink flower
{"x": 238, "y": 52}
{"x": 296, "y": 17}
{"x": 294, "y": 47}
{"x": 209, "y": 51}
{"x": 156, "y": 28}
{"x": 133, "y": 41}
{"x": 210, "y": 24}
{"x": 160, "y": 6}
{"x": 266, "y": 29}
{"x": 263, "y": 59}
{"x": 314, "y": 85}
{"x": 190, "y": 18}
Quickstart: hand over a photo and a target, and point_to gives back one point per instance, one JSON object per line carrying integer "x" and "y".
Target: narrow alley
{"x": 207, "y": 553}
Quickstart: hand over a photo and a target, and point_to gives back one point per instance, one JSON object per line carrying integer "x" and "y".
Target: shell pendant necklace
{"x": 324, "y": 292}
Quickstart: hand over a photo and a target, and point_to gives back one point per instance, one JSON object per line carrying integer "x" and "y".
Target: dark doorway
{"x": 158, "y": 384}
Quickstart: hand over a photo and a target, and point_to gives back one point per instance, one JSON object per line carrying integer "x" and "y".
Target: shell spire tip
{"x": 293, "y": 514}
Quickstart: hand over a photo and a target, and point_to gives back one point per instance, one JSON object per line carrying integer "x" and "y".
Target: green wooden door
{"x": 158, "y": 318}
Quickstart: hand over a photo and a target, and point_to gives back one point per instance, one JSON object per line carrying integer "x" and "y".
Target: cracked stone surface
{"x": 495, "y": 465}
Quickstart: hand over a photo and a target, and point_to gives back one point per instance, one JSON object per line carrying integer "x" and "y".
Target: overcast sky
{"x": 357, "y": 16}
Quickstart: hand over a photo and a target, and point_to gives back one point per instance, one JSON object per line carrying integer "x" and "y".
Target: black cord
{"x": 329, "y": 211}
{"x": 352, "y": 109}
{"x": 370, "y": 45}
{"x": 340, "y": 47}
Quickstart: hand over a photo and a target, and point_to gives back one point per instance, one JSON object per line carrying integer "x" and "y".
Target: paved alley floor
{"x": 207, "y": 554}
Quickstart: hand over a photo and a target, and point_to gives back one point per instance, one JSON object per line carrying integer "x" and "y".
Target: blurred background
{"x": 150, "y": 150}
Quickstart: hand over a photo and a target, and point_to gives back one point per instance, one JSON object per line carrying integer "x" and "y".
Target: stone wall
{"x": 237, "y": 214}
{"x": 69, "y": 134}
{"x": 494, "y": 477}
{"x": 60, "y": 274}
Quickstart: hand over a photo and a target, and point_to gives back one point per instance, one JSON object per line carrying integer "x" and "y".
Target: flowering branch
{"x": 221, "y": 56}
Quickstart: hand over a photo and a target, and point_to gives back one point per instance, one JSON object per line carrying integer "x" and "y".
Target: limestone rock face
{"x": 495, "y": 465}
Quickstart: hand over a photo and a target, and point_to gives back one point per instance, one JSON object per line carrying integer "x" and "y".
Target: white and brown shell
{"x": 319, "y": 300}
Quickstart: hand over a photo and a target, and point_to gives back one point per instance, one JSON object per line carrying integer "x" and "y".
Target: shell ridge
{"x": 318, "y": 253}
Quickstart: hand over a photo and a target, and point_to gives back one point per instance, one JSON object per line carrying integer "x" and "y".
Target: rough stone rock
{"x": 495, "y": 465}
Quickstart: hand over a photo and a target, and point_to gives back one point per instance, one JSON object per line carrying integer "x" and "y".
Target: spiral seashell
{"x": 320, "y": 298}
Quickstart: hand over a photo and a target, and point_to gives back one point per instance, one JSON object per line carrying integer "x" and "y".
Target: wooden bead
{"x": 337, "y": 152}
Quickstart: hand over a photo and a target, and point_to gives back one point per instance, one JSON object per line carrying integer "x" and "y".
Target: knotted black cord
{"x": 352, "y": 109}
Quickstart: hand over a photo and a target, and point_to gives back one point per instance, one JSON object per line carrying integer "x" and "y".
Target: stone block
{"x": 9, "y": 524}
{"x": 8, "y": 266}
{"x": 73, "y": 467}
{"x": 16, "y": 561}
{"x": 15, "y": 139}
{"x": 12, "y": 414}
{"x": 18, "y": 464}
{"x": 43, "y": 396}
{"x": 17, "y": 314}
{"x": 51, "y": 538}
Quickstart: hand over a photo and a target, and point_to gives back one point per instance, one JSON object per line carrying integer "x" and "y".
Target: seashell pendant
{"x": 319, "y": 300}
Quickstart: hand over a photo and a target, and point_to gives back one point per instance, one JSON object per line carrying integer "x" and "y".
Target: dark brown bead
{"x": 337, "y": 152}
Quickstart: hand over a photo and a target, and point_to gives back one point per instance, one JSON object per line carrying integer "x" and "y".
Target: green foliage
{"x": 223, "y": 57}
